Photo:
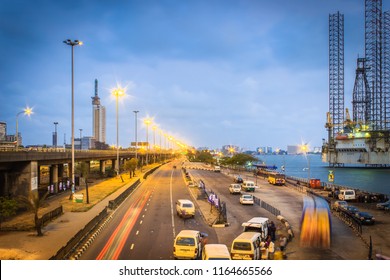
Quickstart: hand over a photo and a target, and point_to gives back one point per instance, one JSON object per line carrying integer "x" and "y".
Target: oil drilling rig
{"x": 364, "y": 139}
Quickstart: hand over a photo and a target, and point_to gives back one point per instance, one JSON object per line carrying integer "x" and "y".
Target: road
{"x": 144, "y": 226}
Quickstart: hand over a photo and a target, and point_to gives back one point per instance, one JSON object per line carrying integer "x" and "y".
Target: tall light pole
{"x": 72, "y": 44}
{"x": 81, "y": 132}
{"x": 154, "y": 127}
{"x": 305, "y": 149}
{"x": 117, "y": 92}
{"x": 147, "y": 122}
{"x": 55, "y": 135}
{"x": 27, "y": 111}
{"x": 136, "y": 141}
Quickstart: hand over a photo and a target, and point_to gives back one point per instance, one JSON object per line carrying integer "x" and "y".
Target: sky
{"x": 249, "y": 73}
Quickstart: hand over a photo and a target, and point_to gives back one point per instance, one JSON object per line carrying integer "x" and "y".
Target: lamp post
{"x": 305, "y": 150}
{"x": 147, "y": 122}
{"x": 81, "y": 132}
{"x": 27, "y": 111}
{"x": 154, "y": 127}
{"x": 118, "y": 92}
{"x": 72, "y": 44}
{"x": 136, "y": 143}
{"x": 55, "y": 135}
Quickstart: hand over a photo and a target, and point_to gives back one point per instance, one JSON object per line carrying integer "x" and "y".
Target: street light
{"x": 27, "y": 111}
{"x": 147, "y": 122}
{"x": 136, "y": 143}
{"x": 154, "y": 127}
{"x": 305, "y": 150}
{"x": 117, "y": 92}
{"x": 55, "y": 135}
{"x": 72, "y": 44}
{"x": 81, "y": 131}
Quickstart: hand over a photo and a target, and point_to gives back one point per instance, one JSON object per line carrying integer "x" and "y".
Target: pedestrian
{"x": 282, "y": 242}
{"x": 271, "y": 250}
{"x": 272, "y": 231}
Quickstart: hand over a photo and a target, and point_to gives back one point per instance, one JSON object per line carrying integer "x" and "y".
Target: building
{"x": 98, "y": 117}
{"x": 293, "y": 150}
{"x": 3, "y": 131}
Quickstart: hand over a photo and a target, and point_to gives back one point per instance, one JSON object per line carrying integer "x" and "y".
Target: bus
{"x": 276, "y": 178}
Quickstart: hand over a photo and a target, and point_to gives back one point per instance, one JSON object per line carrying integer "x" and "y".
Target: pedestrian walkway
{"x": 26, "y": 245}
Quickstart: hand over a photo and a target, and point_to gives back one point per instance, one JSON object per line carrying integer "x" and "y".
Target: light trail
{"x": 117, "y": 240}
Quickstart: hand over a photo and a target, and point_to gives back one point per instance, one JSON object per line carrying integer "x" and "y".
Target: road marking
{"x": 173, "y": 221}
{"x": 137, "y": 232}
{"x": 140, "y": 222}
{"x": 143, "y": 216}
{"x": 132, "y": 246}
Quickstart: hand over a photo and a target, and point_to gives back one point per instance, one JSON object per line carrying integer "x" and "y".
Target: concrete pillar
{"x": 26, "y": 179}
{"x": 54, "y": 178}
{"x": 60, "y": 170}
{"x": 113, "y": 162}
{"x": 103, "y": 167}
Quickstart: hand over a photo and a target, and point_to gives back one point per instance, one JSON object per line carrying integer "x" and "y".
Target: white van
{"x": 248, "y": 186}
{"x": 215, "y": 252}
{"x": 246, "y": 246}
{"x": 257, "y": 224}
{"x": 188, "y": 245}
{"x": 347, "y": 195}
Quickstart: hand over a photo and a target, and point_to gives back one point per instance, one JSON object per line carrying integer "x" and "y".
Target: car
{"x": 188, "y": 244}
{"x": 185, "y": 208}
{"x": 365, "y": 218}
{"x": 339, "y": 204}
{"x": 258, "y": 224}
{"x": 217, "y": 168}
{"x": 246, "y": 199}
{"x": 238, "y": 179}
{"x": 352, "y": 209}
{"x": 235, "y": 189}
{"x": 383, "y": 205}
{"x": 248, "y": 186}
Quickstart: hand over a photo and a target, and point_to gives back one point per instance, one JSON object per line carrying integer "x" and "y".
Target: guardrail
{"x": 51, "y": 215}
{"x": 112, "y": 204}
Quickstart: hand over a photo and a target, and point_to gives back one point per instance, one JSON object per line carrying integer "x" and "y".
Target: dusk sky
{"x": 210, "y": 73}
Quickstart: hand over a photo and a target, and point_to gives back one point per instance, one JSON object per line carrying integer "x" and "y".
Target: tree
{"x": 131, "y": 166}
{"x": 204, "y": 156}
{"x": 84, "y": 173}
{"x": 8, "y": 208}
{"x": 34, "y": 202}
{"x": 240, "y": 159}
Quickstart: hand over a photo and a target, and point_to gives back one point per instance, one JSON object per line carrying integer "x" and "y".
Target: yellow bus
{"x": 276, "y": 178}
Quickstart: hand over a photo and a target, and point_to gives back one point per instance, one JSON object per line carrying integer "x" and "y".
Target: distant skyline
{"x": 210, "y": 73}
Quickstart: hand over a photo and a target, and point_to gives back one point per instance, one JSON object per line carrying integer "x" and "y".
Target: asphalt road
{"x": 144, "y": 226}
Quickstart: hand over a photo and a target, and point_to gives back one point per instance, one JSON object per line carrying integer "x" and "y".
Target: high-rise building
{"x": 3, "y": 131}
{"x": 98, "y": 117}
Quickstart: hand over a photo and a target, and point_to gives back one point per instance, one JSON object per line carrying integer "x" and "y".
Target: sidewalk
{"x": 26, "y": 245}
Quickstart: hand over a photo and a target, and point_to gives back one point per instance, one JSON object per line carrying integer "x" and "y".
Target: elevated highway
{"x": 20, "y": 171}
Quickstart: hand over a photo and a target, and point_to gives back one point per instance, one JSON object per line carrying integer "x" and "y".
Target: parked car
{"x": 365, "y": 218}
{"x": 246, "y": 199}
{"x": 235, "y": 189}
{"x": 383, "y": 205}
{"x": 339, "y": 204}
{"x": 352, "y": 209}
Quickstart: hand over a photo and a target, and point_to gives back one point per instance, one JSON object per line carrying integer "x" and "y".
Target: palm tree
{"x": 34, "y": 202}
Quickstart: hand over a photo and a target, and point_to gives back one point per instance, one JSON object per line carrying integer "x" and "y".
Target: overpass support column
{"x": 102, "y": 167}
{"x": 26, "y": 179}
{"x": 54, "y": 178}
{"x": 113, "y": 162}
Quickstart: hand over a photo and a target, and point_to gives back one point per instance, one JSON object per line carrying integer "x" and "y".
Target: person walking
{"x": 272, "y": 231}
